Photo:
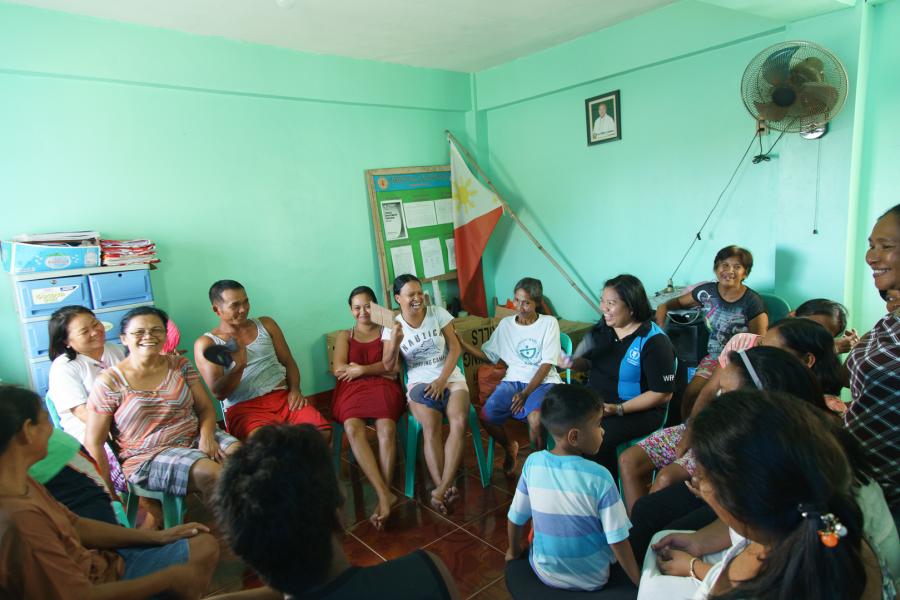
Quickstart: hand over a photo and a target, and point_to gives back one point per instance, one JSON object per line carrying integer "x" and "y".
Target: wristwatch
{"x": 620, "y": 410}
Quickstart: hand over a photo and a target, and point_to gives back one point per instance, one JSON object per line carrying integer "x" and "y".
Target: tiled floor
{"x": 471, "y": 540}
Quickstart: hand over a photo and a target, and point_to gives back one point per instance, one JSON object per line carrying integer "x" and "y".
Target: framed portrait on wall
{"x": 604, "y": 118}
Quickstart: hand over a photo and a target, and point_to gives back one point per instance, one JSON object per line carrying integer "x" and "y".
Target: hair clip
{"x": 832, "y": 528}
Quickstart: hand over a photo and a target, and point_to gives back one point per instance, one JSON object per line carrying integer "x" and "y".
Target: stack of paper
{"x": 117, "y": 253}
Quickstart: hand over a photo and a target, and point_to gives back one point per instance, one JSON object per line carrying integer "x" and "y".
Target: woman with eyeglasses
{"x": 791, "y": 522}
{"x": 162, "y": 418}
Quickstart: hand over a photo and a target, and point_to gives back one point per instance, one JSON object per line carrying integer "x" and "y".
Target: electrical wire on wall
{"x": 697, "y": 236}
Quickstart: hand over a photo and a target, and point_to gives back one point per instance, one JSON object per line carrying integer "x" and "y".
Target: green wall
{"x": 633, "y": 205}
{"x": 879, "y": 179}
{"x": 247, "y": 161}
{"x": 240, "y": 161}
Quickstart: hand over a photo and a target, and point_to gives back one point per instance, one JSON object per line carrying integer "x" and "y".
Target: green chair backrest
{"x": 777, "y": 307}
{"x": 51, "y": 410}
{"x": 565, "y": 344}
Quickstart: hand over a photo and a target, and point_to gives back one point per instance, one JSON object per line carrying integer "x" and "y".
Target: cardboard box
{"x": 475, "y": 331}
{"x": 20, "y": 259}
{"x": 575, "y": 330}
{"x": 330, "y": 339}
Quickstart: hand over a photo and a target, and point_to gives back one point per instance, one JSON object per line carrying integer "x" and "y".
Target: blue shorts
{"x": 496, "y": 409}
{"x": 417, "y": 394}
{"x": 146, "y": 560}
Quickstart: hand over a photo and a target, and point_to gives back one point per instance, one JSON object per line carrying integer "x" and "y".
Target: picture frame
{"x": 604, "y": 118}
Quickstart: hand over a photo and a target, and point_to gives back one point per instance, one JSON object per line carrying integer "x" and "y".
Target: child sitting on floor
{"x": 580, "y": 525}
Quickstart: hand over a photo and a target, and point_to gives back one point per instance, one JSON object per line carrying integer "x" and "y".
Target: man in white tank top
{"x": 262, "y": 385}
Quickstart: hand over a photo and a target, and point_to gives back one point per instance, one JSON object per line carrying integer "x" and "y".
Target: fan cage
{"x": 755, "y": 88}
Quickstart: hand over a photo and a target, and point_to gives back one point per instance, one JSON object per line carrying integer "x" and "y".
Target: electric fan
{"x": 794, "y": 87}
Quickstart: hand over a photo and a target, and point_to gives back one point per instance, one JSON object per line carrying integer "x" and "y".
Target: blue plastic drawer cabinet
{"x": 121, "y": 288}
{"x": 37, "y": 339}
{"x": 112, "y": 322}
{"x": 40, "y": 376}
{"x": 41, "y": 297}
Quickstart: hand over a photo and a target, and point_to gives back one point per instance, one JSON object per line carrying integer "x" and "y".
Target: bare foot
{"x": 509, "y": 463}
{"x": 382, "y": 512}
{"x": 437, "y": 503}
{"x": 451, "y": 496}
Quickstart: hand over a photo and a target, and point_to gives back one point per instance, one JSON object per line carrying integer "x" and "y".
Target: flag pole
{"x": 509, "y": 211}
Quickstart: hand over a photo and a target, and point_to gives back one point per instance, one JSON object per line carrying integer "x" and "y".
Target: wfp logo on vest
{"x": 634, "y": 356}
{"x": 529, "y": 351}
{"x": 669, "y": 377}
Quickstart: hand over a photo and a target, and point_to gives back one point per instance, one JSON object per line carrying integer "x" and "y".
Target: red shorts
{"x": 270, "y": 409}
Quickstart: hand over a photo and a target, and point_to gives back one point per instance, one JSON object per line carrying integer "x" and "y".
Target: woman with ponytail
{"x": 781, "y": 483}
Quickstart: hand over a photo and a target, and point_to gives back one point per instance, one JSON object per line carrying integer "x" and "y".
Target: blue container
{"x": 40, "y": 377}
{"x": 112, "y": 322}
{"x": 21, "y": 259}
{"x": 41, "y": 297}
{"x": 37, "y": 339}
{"x": 121, "y": 288}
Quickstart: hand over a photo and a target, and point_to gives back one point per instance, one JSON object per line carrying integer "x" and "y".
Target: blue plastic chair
{"x": 414, "y": 431}
{"x": 565, "y": 343}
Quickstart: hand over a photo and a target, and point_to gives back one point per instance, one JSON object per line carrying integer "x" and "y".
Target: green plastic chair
{"x": 414, "y": 431}
{"x": 565, "y": 343}
{"x": 778, "y": 308}
{"x": 51, "y": 411}
{"x": 217, "y": 406}
{"x": 173, "y": 506}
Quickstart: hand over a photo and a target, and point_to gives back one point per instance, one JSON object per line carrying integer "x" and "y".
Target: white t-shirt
{"x": 424, "y": 348}
{"x": 524, "y": 348}
{"x": 738, "y": 543}
{"x": 604, "y": 126}
{"x": 71, "y": 382}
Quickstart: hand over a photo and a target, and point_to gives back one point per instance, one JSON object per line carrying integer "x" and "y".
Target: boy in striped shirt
{"x": 580, "y": 523}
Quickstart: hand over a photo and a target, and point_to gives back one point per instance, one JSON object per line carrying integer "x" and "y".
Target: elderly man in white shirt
{"x": 604, "y": 124}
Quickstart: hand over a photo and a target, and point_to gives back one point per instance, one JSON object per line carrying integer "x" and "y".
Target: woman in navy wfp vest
{"x": 631, "y": 363}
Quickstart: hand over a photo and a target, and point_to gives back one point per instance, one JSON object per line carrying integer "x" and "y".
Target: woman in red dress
{"x": 366, "y": 390}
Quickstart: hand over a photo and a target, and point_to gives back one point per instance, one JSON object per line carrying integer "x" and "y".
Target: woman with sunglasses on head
{"x": 791, "y": 525}
{"x": 163, "y": 419}
{"x": 675, "y": 507}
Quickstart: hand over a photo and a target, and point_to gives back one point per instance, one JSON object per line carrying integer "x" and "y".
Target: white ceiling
{"x": 461, "y": 35}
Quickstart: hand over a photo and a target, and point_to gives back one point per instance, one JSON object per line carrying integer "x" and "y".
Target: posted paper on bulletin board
{"x": 413, "y": 221}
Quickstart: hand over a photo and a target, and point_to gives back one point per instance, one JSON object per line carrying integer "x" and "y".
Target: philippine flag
{"x": 476, "y": 211}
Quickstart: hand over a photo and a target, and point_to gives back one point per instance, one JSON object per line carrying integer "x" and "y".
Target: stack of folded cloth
{"x": 117, "y": 253}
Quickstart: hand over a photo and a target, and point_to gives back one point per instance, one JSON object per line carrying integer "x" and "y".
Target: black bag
{"x": 689, "y": 334}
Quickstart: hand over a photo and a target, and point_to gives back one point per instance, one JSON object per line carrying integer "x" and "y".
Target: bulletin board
{"x": 412, "y": 214}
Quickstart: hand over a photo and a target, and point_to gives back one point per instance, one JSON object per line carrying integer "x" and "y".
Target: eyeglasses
{"x": 155, "y": 333}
